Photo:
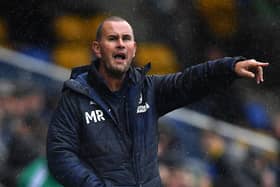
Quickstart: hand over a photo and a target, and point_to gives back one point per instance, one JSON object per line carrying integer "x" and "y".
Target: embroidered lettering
{"x": 142, "y": 108}
{"x": 95, "y": 115}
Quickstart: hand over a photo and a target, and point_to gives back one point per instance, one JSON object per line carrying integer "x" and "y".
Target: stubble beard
{"x": 115, "y": 72}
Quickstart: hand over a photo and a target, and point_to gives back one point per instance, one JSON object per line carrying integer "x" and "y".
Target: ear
{"x": 96, "y": 49}
{"x": 135, "y": 47}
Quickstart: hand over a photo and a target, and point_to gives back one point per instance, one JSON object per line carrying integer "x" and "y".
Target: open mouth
{"x": 119, "y": 56}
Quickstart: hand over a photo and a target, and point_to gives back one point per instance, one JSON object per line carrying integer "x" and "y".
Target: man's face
{"x": 116, "y": 48}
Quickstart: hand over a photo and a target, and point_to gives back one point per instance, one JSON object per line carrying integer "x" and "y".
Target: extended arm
{"x": 177, "y": 90}
{"x": 63, "y": 148}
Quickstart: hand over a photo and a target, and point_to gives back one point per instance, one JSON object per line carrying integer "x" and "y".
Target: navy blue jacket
{"x": 86, "y": 145}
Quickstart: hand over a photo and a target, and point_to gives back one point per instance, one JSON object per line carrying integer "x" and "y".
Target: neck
{"x": 113, "y": 83}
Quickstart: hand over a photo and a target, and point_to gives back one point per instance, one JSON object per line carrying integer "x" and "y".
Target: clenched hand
{"x": 250, "y": 69}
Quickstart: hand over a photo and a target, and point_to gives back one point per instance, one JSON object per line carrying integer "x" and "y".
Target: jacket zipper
{"x": 135, "y": 153}
{"x": 115, "y": 121}
{"x": 132, "y": 151}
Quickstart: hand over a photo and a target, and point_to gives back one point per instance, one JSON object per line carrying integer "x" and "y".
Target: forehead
{"x": 117, "y": 27}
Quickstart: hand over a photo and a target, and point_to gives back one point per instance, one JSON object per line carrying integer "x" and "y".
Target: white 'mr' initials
{"x": 95, "y": 115}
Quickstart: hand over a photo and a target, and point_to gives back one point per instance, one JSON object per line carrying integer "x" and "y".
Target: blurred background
{"x": 228, "y": 139}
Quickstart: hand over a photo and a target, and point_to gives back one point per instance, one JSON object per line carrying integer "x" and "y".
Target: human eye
{"x": 127, "y": 38}
{"x": 112, "y": 38}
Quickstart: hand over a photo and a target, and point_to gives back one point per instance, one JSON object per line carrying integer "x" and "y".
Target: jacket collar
{"x": 134, "y": 75}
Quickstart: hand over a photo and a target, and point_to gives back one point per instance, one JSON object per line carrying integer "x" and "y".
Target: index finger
{"x": 263, "y": 64}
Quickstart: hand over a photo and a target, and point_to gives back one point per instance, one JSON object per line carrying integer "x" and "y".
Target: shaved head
{"x": 100, "y": 27}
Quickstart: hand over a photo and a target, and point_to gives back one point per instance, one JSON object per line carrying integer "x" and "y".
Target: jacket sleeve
{"x": 177, "y": 90}
{"x": 63, "y": 147}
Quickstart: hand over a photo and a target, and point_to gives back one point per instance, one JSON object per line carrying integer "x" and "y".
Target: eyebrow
{"x": 122, "y": 35}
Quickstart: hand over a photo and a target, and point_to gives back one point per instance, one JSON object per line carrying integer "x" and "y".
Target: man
{"x": 104, "y": 130}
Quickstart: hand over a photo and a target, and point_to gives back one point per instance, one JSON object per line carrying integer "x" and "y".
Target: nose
{"x": 120, "y": 44}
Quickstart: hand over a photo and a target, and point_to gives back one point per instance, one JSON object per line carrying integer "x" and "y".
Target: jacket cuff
{"x": 233, "y": 62}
